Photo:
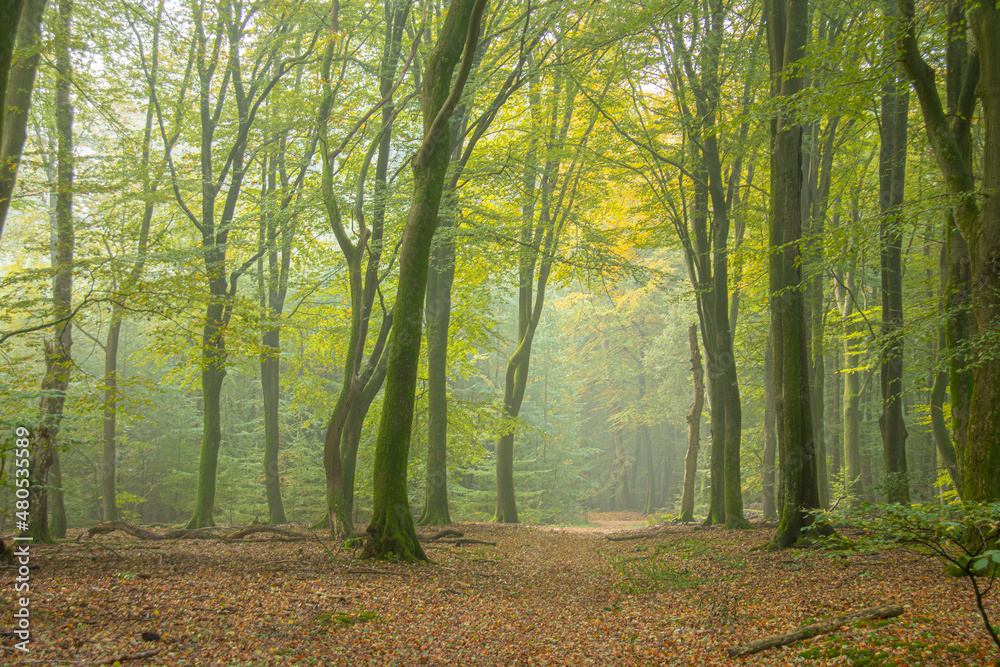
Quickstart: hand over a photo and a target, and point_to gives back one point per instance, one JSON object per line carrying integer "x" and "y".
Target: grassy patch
{"x": 650, "y": 574}
{"x": 342, "y": 619}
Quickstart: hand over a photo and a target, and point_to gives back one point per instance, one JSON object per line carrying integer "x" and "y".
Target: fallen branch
{"x": 125, "y": 527}
{"x": 191, "y": 534}
{"x": 124, "y": 658}
{"x": 250, "y": 530}
{"x": 821, "y": 628}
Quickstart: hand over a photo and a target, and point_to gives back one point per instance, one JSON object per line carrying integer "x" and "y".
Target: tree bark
{"x": 694, "y": 427}
{"x": 788, "y": 29}
{"x": 10, "y": 18}
{"x": 979, "y": 224}
{"x": 770, "y": 434}
{"x": 58, "y": 357}
{"x": 391, "y": 529}
{"x": 892, "y": 181}
{"x": 17, "y": 101}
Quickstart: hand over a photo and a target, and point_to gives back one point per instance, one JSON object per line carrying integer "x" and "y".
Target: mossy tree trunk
{"x": 892, "y": 181}
{"x": 787, "y": 33}
{"x": 17, "y": 100}
{"x": 716, "y": 198}
{"x": 391, "y": 531}
{"x": 977, "y": 211}
{"x": 441, "y": 279}
{"x": 10, "y": 19}
{"x": 362, "y": 377}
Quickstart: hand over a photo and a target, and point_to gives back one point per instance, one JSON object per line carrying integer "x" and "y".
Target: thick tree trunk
{"x": 977, "y": 220}
{"x": 788, "y": 28}
{"x": 694, "y": 427}
{"x": 10, "y": 18}
{"x": 391, "y": 529}
{"x": 982, "y": 452}
{"x": 17, "y": 102}
{"x": 892, "y": 180}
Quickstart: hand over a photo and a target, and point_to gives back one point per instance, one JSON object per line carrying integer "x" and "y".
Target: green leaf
{"x": 980, "y": 564}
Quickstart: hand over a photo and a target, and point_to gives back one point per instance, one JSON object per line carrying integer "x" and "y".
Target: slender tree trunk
{"x": 19, "y": 87}
{"x": 441, "y": 275}
{"x": 270, "y": 380}
{"x": 109, "y": 467}
{"x": 391, "y": 529}
{"x": 939, "y": 385}
{"x": 58, "y": 359}
{"x": 892, "y": 173}
{"x": 694, "y": 427}
{"x": 213, "y": 373}
{"x": 647, "y": 447}
{"x": 770, "y": 434}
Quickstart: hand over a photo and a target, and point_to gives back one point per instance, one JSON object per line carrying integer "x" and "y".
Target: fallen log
{"x": 250, "y": 530}
{"x": 813, "y": 629}
{"x": 125, "y": 527}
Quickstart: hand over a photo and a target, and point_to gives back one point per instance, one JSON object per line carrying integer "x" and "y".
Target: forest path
{"x": 670, "y": 595}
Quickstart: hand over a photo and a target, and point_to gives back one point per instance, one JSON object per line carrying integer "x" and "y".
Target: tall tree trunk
{"x": 788, "y": 29}
{"x": 17, "y": 102}
{"x": 109, "y": 468}
{"x": 58, "y": 359}
{"x": 112, "y": 342}
{"x": 213, "y": 373}
{"x": 939, "y": 384}
{"x": 270, "y": 380}
{"x": 950, "y": 139}
{"x": 10, "y": 18}
{"x": 441, "y": 275}
{"x": 892, "y": 180}
{"x": 982, "y": 452}
{"x": 694, "y": 427}
{"x": 391, "y": 529}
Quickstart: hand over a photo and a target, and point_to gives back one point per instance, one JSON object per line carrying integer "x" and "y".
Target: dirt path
{"x": 542, "y": 596}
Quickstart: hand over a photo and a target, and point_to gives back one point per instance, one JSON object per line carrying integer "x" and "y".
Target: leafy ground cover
{"x": 541, "y": 596}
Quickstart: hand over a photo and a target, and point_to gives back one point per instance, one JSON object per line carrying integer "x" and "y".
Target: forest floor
{"x": 541, "y": 596}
